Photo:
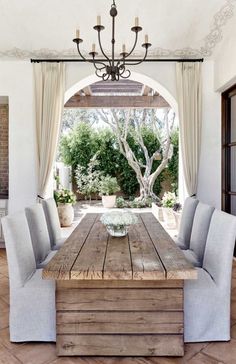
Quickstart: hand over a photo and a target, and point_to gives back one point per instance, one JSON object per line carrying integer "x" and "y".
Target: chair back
{"x": 186, "y": 223}
{"x": 219, "y": 249}
{"x": 38, "y": 231}
{"x": 52, "y": 218}
{"x": 20, "y": 255}
{"x": 201, "y": 223}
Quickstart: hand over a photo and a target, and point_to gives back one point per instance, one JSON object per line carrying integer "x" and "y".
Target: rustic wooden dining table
{"x": 119, "y": 296}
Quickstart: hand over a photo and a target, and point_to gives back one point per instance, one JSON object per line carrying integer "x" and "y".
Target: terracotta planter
{"x": 169, "y": 218}
{"x": 66, "y": 214}
{"x": 109, "y": 201}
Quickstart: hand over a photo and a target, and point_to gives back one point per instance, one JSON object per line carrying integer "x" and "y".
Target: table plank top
{"x": 146, "y": 253}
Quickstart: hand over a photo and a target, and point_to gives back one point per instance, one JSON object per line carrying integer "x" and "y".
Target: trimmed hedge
{"x": 83, "y": 141}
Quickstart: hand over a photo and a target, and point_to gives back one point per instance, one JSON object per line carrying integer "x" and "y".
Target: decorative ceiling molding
{"x": 209, "y": 42}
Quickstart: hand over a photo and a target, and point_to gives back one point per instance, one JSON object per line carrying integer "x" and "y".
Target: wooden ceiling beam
{"x": 87, "y": 91}
{"x": 116, "y": 102}
{"x": 145, "y": 90}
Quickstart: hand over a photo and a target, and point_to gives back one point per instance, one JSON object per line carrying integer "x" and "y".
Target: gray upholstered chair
{"x": 185, "y": 230}
{"x": 39, "y": 235}
{"x": 201, "y": 223}
{"x": 53, "y": 223}
{"x": 207, "y": 299}
{"x": 32, "y": 299}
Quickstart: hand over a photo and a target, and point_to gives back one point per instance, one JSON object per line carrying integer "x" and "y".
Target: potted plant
{"x": 108, "y": 186}
{"x": 168, "y": 201}
{"x": 65, "y": 199}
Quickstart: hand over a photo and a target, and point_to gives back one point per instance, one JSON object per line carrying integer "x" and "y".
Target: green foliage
{"x": 80, "y": 144}
{"x": 108, "y": 186}
{"x": 121, "y": 203}
{"x": 169, "y": 199}
{"x": 64, "y": 196}
{"x": 173, "y": 165}
{"x": 88, "y": 178}
{"x": 135, "y": 203}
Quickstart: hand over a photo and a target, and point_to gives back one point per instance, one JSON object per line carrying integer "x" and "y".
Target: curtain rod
{"x": 38, "y": 60}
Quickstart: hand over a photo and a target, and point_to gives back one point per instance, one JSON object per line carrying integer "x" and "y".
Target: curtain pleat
{"x": 49, "y": 102}
{"x": 189, "y": 94}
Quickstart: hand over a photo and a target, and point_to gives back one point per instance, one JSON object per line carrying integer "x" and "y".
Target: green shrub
{"x": 64, "y": 196}
{"x": 88, "y": 178}
{"x": 121, "y": 203}
{"x": 108, "y": 186}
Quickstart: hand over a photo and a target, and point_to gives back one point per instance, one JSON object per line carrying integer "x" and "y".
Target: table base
{"x": 120, "y": 318}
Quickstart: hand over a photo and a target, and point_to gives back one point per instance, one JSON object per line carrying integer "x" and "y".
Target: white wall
{"x": 209, "y": 181}
{"x": 16, "y": 81}
{"x": 225, "y": 59}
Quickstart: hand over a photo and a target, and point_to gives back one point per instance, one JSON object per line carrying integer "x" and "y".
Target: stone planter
{"x": 177, "y": 216}
{"x": 169, "y": 217}
{"x": 109, "y": 201}
{"x": 157, "y": 212}
{"x": 66, "y": 214}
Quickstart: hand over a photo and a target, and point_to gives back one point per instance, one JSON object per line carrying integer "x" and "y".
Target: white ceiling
{"x": 31, "y": 28}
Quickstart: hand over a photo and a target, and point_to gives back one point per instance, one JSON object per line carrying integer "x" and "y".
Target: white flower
{"x": 119, "y": 218}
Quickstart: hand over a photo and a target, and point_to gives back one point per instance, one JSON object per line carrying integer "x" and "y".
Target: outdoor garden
{"x": 129, "y": 158}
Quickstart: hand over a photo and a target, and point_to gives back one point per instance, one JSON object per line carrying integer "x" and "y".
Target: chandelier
{"x": 111, "y": 68}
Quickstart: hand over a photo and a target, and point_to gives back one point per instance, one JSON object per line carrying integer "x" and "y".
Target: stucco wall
{"x": 16, "y": 81}
{"x": 225, "y": 59}
{"x": 209, "y": 181}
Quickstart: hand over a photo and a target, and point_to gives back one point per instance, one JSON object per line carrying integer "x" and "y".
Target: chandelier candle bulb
{"x": 98, "y": 20}
{"x": 146, "y": 39}
{"x": 77, "y": 33}
{"x": 136, "y": 21}
{"x": 123, "y": 48}
{"x": 93, "y": 47}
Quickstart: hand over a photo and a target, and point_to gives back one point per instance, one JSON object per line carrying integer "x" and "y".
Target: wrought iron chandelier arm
{"x": 100, "y": 63}
{"x": 100, "y": 45}
{"x": 91, "y": 61}
{"x": 139, "y": 61}
{"x": 81, "y": 55}
{"x": 135, "y": 43}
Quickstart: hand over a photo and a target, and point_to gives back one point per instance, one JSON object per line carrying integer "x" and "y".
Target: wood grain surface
{"x": 146, "y": 253}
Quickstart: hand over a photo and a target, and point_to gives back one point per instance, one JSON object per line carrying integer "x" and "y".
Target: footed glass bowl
{"x": 118, "y": 222}
{"x": 117, "y": 230}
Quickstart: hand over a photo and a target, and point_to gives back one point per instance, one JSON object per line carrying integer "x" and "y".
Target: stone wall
{"x": 4, "y": 169}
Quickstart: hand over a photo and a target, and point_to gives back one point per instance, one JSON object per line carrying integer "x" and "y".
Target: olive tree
{"x": 124, "y": 122}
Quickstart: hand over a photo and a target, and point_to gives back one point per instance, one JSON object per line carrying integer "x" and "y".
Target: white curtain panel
{"x": 189, "y": 94}
{"x": 49, "y": 102}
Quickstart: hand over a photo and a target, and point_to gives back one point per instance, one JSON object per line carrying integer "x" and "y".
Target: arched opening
{"x": 153, "y": 84}
{"x": 137, "y": 77}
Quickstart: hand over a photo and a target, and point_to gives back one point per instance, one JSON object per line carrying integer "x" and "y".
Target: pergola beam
{"x": 116, "y": 102}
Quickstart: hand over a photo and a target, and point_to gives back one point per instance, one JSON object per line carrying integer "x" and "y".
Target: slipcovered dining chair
{"x": 200, "y": 228}
{"x": 32, "y": 300}
{"x": 53, "y": 223}
{"x": 207, "y": 299}
{"x": 183, "y": 238}
{"x": 39, "y": 235}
